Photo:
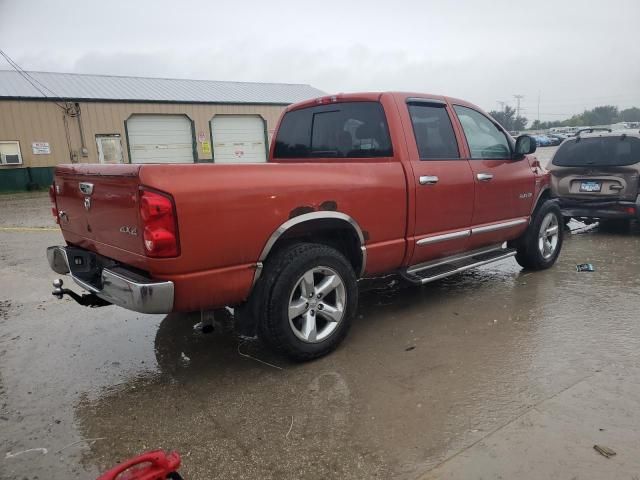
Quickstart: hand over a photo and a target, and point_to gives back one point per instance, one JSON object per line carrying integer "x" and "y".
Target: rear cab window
{"x": 613, "y": 151}
{"x": 338, "y": 130}
{"x": 433, "y": 131}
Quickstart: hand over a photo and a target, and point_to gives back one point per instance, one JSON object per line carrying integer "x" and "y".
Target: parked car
{"x": 556, "y": 138}
{"x": 542, "y": 140}
{"x": 595, "y": 176}
{"x": 356, "y": 185}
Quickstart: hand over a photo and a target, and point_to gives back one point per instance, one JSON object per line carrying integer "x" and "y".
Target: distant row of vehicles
{"x": 555, "y": 136}
{"x": 549, "y": 139}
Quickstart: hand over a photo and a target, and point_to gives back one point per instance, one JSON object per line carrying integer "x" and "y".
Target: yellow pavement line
{"x": 28, "y": 229}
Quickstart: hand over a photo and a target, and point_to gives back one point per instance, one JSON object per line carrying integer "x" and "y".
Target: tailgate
{"x": 100, "y": 203}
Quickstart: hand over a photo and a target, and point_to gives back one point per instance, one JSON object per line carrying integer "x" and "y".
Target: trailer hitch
{"x": 88, "y": 300}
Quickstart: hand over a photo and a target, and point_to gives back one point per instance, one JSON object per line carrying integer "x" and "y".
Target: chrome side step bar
{"x": 431, "y": 271}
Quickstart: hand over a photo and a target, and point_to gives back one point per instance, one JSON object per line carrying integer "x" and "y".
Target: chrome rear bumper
{"x": 114, "y": 284}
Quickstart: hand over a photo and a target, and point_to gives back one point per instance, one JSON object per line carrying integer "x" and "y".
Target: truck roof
{"x": 372, "y": 97}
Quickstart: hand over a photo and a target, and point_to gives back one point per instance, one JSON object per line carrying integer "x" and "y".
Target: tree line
{"x": 603, "y": 115}
{"x": 508, "y": 119}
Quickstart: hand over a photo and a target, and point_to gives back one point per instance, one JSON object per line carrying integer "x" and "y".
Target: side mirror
{"x": 525, "y": 145}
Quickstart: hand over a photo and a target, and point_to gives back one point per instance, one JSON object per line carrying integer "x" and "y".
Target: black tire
{"x": 282, "y": 273}
{"x": 528, "y": 253}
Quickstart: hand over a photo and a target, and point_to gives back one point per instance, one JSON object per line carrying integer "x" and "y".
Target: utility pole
{"x": 502, "y": 104}
{"x": 518, "y": 98}
{"x": 538, "y": 106}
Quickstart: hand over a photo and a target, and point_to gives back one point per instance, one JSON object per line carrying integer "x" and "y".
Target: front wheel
{"x": 540, "y": 245}
{"x": 311, "y": 297}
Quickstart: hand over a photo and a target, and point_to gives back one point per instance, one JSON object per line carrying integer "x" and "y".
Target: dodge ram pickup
{"x": 356, "y": 185}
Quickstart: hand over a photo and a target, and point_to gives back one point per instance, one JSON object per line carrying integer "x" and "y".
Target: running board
{"x": 445, "y": 267}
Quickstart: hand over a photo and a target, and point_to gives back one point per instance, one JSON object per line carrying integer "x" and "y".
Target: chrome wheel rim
{"x": 548, "y": 237}
{"x": 317, "y": 304}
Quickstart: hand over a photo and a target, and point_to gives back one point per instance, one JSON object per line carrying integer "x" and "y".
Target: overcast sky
{"x": 573, "y": 54}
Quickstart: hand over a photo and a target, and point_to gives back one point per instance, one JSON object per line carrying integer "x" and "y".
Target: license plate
{"x": 590, "y": 186}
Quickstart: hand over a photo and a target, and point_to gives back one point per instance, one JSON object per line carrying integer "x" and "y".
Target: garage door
{"x": 238, "y": 139}
{"x": 160, "y": 139}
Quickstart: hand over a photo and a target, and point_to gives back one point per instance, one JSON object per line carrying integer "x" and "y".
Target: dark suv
{"x": 596, "y": 176}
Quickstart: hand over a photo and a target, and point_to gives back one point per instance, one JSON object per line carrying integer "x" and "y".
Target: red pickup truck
{"x": 357, "y": 185}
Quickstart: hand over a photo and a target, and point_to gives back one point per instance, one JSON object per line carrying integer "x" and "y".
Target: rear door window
{"x": 615, "y": 151}
{"x": 484, "y": 138}
{"x": 339, "y": 130}
{"x": 433, "y": 132}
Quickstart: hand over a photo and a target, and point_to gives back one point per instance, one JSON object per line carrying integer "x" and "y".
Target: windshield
{"x": 598, "y": 151}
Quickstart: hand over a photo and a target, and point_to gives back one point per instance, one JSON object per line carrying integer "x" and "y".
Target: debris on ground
{"x": 42, "y": 450}
{"x": 585, "y": 267}
{"x": 604, "y": 451}
{"x": 290, "y": 427}
{"x": 408, "y": 349}
{"x": 246, "y": 355}
{"x": 90, "y": 441}
{"x": 584, "y": 228}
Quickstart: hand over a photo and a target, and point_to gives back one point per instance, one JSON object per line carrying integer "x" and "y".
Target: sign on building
{"x": 41, "y": 148}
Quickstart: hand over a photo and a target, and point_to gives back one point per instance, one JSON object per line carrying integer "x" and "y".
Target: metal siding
{"x": 19, "y": 121}
{"x": 104, "y": 87}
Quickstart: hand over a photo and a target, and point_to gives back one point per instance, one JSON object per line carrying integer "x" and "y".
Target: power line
{"x": 33, "y": 81}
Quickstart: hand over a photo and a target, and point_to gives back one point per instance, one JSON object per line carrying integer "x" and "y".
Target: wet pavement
{"x": 493, "y": 373}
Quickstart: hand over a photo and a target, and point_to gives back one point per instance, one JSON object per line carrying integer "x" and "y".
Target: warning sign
{"x": 40, "y": 148}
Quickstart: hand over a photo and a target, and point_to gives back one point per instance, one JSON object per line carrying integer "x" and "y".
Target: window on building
{"x": 433, "y": 132}
{"x": 339, "y": 130}
{"x": 10, "y": 153}
{"x": 485, "y": 140}
{"x": 109, "y": 148}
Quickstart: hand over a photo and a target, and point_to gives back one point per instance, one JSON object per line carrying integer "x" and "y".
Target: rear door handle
{"x": 484, "y": 177}
{"x": 428, "y": 180}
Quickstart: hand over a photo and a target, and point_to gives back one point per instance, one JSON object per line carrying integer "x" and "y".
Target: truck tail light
{"x": 159, "y": 224}
{"x": 54, "y": 204}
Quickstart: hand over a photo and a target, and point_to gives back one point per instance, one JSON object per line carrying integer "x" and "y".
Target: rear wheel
{"x": 540, "y": 245}
{"x": 311, "y": 296}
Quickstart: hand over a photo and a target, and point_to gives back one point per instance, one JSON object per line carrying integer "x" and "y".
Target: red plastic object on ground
{"x": 154, "y": 465}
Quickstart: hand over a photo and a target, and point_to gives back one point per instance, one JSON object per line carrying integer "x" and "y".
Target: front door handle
{"x": 484, "y": 177}
{"x": 428, "y": 180}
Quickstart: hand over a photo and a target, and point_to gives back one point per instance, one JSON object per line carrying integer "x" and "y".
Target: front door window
{"x": 485, "y": 140}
